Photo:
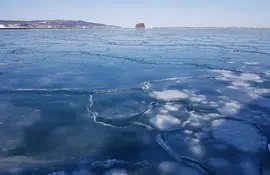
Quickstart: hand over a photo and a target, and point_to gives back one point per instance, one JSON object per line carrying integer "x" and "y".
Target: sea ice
{"x": 218, "y": 163}
{"x": 59, "y": 173}
{"x": 116, "y": 172}
{"x": 165, "y": 116}
{"x": 250, "y": 77}
{"x": 81, "y": 172}
{"x": 197, "y": 99}
{"x": 251, "y": 63}
{"x": 118, "y": 106}
{"x": 230, "y": 107}
{"x": 170, "y": 107}
{"x": 249, "y": 167}
{"x": 238, "y": 134}
{"x": 240, "y": 84}
{"x": 174, "y": 168}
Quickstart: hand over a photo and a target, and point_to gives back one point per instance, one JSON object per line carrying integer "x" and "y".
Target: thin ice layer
{"x": 174, "y": 168}
{"x": 242, "y": 136}
{"x": 118, "y": 105}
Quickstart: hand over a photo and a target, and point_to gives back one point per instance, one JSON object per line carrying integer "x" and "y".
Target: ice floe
{"x": 238, "y": 134}
{"x": 117, "y": 106}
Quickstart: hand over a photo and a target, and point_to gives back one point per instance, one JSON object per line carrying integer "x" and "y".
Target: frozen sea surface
{"x": 126, "y": 101}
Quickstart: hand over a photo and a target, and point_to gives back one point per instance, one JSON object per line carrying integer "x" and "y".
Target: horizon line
{"x": 123, "y": 26}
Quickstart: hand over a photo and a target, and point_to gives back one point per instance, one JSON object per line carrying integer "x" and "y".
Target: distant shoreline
{"x": 54, "y": 28}
{"x": 135, "y": 28}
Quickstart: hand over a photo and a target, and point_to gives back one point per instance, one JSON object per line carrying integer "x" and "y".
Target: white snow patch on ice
{"x": 204, "y": 102}
{"x": 188, "y": 132}
{"x": 213, "y": 104}
{"x": 169, "y": 95}
{"x": 195, "y": 141}
{"x": 197, "y": 99}
{"x": 225, "y": 74}
{"x": 234, "y": 87}
{"x": 222, "y": 79}
{"x": 164, "y": 122}
{"x": 169, "y": 167}
{"x": 250, "y": 77}
{"x": 164, "y": 111}
{"x": 240, "y": 84}
{"x": 213, "y": 115}
{"x": 174, "y": 168}
{"x": 261, "y": 91}
{"x": 171, "y": 107}
{"x": 252, "y": 63}
{"x": 229, "y": 108}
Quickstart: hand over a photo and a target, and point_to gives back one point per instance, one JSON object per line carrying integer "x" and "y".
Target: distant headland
{"x": 51, "y": 24}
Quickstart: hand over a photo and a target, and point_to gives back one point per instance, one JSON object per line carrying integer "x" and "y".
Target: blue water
{"x": 126, "y": 101}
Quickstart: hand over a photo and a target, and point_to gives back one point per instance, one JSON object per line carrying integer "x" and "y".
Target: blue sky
{"x": 127, "y": 13}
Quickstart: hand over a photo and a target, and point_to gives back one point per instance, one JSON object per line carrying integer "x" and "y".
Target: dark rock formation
{"x": 140, "y": 25}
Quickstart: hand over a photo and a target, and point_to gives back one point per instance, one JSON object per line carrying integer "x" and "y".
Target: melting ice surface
{"x": 124, "y": 101}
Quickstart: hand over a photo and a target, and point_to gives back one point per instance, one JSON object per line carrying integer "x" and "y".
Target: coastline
{"x": 135, "y": 28}
{"x": 55, "y": 28}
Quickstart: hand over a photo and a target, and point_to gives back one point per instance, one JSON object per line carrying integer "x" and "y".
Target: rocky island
{"x": 51, "y": 24}
{"x": 140, "y": 25}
